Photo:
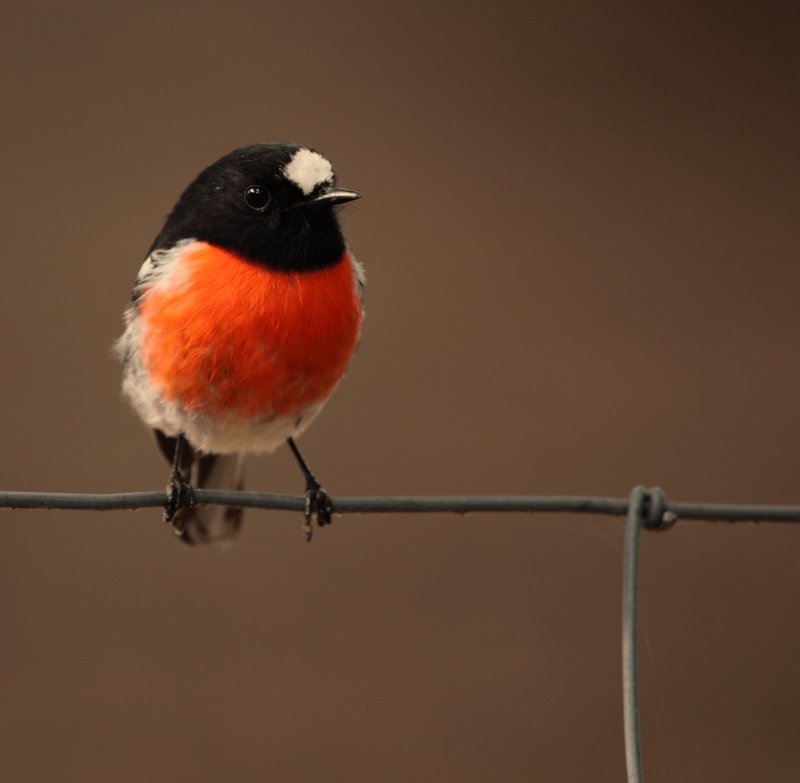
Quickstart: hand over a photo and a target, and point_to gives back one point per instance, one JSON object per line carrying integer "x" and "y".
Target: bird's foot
{"x": 319, "y": 509}
{"x": 180, "y": 496}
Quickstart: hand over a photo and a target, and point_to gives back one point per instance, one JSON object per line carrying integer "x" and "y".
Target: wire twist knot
{"x": 655, "y": 514}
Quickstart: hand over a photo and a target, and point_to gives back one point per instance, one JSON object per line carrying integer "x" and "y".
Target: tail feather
{"x": 207, "y": 524}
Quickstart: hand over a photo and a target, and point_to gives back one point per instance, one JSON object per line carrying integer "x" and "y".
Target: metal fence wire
{"x": 645, "y": 509}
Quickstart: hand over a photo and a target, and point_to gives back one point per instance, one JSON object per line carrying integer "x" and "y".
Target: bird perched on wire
{"x": 243, "y": 319}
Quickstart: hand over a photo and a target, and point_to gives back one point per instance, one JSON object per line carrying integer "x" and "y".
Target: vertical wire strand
{"x": 630, "y": 687}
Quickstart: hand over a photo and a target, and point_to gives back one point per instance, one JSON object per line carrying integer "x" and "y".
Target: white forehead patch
{"x": 308, "y": 169}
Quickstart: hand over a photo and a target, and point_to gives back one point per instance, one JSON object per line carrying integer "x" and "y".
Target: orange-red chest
{"x": 227, "y": 338}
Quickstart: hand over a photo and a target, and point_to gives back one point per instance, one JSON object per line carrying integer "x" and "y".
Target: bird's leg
{"x": 180, "y": 494}
{"x": 318, "y": 508}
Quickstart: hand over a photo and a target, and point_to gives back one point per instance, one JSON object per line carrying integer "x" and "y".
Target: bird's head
{"x": 272, "y": 204}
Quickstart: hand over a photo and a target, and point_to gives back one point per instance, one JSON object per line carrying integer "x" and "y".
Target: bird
{"x": 243, "y": 319}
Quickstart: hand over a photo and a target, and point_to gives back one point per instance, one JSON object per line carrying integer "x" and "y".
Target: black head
{"x": 272, "y": 204}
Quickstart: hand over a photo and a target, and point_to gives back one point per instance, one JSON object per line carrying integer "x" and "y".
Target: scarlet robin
{"x": 243, "y": 319}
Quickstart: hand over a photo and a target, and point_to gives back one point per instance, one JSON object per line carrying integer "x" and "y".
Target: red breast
{"x": 225, "y": 337}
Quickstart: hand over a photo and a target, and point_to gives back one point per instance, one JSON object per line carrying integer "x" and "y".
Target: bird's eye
{"x": 256, "y": 197}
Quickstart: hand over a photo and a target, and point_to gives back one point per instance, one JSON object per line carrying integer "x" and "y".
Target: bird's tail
{"x": 206, "y": 524}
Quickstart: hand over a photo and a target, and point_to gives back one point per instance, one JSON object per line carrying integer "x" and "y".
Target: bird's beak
{"x": 333, "y": 195}
{"x": 326, "y": 195}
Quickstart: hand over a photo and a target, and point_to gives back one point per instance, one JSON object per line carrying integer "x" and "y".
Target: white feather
{"x": 308, "y": 169}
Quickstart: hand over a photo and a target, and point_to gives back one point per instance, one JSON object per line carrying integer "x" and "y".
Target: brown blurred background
{"x": 579, "y": 227}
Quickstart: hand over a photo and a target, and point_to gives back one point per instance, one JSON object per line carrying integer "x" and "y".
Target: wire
{"x": 630, "y": 593}
{"x": 405, "y": 504}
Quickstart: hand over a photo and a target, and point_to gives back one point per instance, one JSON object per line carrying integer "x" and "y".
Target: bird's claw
{"x": 319, "y": 509}
{"x": 180, "y": 495}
